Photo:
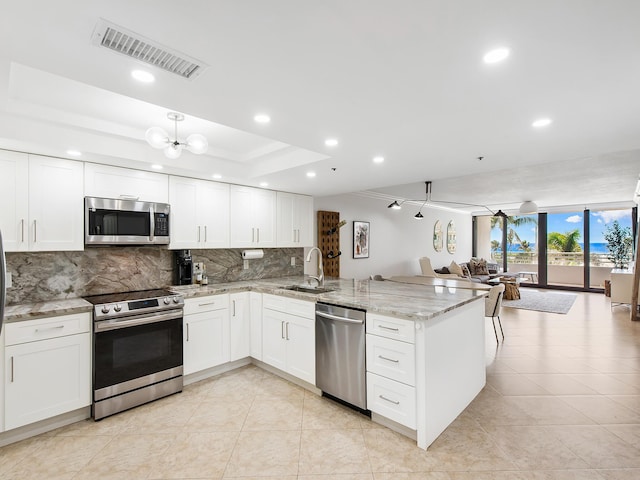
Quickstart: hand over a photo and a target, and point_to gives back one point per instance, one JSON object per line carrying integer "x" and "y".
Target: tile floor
{"x": 562, "y": 402}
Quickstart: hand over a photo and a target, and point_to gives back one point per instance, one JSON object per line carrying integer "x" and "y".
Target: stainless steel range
{"x": 137, "y": 349}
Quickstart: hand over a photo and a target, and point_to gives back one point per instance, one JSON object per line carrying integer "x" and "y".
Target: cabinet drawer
{"x": 274, "y": 302}
{"x": 392, "y": 359}
{"x": 389, "y": 327}
{"x": 393, "y": 400}
{"x": 206, "y": 304}
{"x": 293, "y": 306}
{"x": 44, "y": 328}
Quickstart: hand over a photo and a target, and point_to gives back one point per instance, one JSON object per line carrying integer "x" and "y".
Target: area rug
{"x": 542, "y": 301}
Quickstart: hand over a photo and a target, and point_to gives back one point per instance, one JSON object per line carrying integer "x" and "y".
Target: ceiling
{"x": 404, "y": 80}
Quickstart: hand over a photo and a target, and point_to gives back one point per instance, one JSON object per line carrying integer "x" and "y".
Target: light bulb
{"x": 197, "y": 143}
{"x": 173, "y": 151}
{"x": 156, "y": 137}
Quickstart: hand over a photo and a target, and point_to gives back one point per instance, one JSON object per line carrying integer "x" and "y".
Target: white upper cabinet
{"x": 114, "y": 182}
{"x": 253, "y": 217}
{"x": 295, "y": 220}
{"x": 14, "y": 198}
{"x": 199, "y": 213}
{"x": 42, "y": 207}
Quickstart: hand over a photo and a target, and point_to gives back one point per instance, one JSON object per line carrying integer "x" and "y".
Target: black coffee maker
{"x": 183, "y": 267}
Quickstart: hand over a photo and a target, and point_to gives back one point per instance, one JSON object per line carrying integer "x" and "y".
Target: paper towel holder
{"x": 252, "y": 254}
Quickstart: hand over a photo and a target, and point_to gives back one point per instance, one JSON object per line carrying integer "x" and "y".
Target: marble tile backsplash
{"x": 44, "y": 276}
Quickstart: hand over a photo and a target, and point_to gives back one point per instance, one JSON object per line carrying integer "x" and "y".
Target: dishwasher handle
{"x": 338, "y": 319}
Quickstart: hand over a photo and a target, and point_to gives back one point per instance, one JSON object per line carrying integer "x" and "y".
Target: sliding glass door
{"x": 572, "y": 251}
{"x": 565, "y": 249}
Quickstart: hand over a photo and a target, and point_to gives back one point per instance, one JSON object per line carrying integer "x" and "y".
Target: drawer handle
{"x": 388, "y": 400}
{"x": 388, "y": 359}
{"x": 389, "y": 328}
{"x": 205, "y": 304}
{"x": 49, "y": 328}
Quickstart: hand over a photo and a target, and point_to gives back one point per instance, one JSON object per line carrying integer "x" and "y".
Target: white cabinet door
{"x": 253, "y": 217}
{"x": 287, "y": 235}
{"x": 213, "y": 214}
{"x": 56, "y": 209}
{"x": 183, "y": 197}
{"x": 199, "y": 213}
{"x": 206, "y": 340}
{"x": 115, "y": 182}
{"x": 240, "y": 325}
{"x": 273, "y": 339}
{"x": 255, "y": 307}
{"x": 301, "y": 347}
{"x": 294, "y": 220}
{"x": 46, "y": 378}
{"x": 242, "y": 231}
{"x": 304, "y": 220}
{"x": 264, "y": 214}
{"x": 14, "y": 200}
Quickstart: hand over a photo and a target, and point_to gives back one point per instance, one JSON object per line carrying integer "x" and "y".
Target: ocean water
{"x": 596, "y": 247}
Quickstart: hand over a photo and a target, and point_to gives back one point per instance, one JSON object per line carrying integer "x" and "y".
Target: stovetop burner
{"x": 141, "y": 302}
{"x": 128, "y": 296}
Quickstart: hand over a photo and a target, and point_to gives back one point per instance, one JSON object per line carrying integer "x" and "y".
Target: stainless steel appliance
{"x": 110, "y": 221}
{"x": 137, "y": 349}
{"x": 340, "y": 353}
{"x": 183, "y": 267}
{"x": 3, "y": 282}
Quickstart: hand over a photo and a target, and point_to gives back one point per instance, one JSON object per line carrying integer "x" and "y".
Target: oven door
{"x": 129, "y": 349}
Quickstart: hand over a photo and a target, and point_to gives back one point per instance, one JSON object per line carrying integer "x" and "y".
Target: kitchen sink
{"x": 308, "y": 289}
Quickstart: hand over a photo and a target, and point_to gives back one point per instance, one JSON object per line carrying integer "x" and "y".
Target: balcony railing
{"x": 554, "y": 258}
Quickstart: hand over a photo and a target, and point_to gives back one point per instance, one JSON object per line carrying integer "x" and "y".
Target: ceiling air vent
{"x": 134, "y": 45}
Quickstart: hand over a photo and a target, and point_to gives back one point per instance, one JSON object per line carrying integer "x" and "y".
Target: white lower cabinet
{"x": 391, "y": 369}
{"x": 206, "y": 332}
{"x": 255, "y": 307}
{"x": 239, "y": 325}
{"x": 47, "y": 368}
{"x": 288, "y": 341}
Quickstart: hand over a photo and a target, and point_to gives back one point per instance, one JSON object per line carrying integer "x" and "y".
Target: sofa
{"x": 476, "y": 270}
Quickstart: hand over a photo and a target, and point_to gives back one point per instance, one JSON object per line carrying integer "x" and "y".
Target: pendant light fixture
{"x": 158, "y": 138}
{"x": 395, "y": 205}
{"x": 528, "y": 207}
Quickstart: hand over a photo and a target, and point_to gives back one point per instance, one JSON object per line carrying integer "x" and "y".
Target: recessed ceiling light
{"x": 496, "y": 55}
{"x": 541, "y": 122}
{"x": 262, "y": 118}
{"x": 74, "y": 153}
{"x": 331, "y": 142}
{"x": 264, "y": 184}
{"x": 155, "y": 166}
{"x": 311, "y": 174}
{"x": 217, "y": 176}
{"x": 143, "y": 76}
{"x": 378, "y": 159}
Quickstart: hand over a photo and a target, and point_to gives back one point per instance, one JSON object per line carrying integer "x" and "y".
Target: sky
{"x": 565, "y": 222}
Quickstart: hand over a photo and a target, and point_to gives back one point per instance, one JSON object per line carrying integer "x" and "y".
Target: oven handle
{"x": 106, "y": 325}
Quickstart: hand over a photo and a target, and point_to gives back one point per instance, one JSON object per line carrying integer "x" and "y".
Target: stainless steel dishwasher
{"x": 340, "y": 353}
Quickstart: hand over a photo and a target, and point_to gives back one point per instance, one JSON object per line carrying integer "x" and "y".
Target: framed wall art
{"x": 361, "y": 238}
{"x": 437, "y": 236}
{"x": 451, "y": 237}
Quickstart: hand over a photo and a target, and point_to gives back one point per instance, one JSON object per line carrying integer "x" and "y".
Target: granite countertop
{"x": 410, "y": 301}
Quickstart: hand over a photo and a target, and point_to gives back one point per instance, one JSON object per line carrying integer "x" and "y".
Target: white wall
{"x": 397, "y": 239}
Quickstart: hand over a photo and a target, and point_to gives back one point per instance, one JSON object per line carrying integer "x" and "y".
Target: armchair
{"x": 428, "y": 271}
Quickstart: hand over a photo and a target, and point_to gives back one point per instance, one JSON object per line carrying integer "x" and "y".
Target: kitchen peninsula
{"x": 441, "y": 327}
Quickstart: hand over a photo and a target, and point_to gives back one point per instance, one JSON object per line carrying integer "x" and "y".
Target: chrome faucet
{"x": 320, "y": 277}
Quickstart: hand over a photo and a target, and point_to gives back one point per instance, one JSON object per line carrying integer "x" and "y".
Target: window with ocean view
{"x": 576, "y": 247}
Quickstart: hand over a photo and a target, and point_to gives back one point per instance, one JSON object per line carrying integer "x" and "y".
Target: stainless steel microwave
{"x": 112, "y": 221}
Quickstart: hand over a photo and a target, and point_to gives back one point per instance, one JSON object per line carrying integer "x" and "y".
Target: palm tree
{"x": 564, "y": 242}
{"x": 526, "y": 246}
{"x": 512, "y": 224}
